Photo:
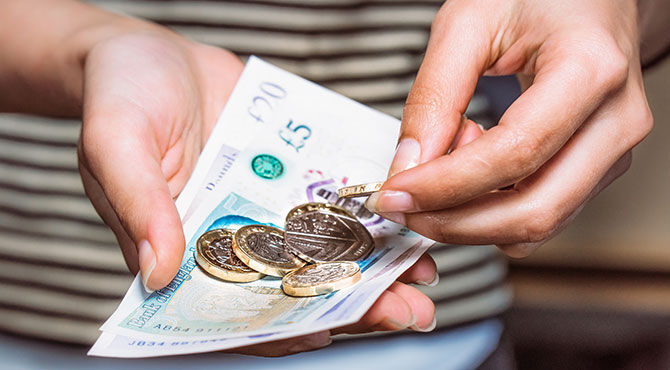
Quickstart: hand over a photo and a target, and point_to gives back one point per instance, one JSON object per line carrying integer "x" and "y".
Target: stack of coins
{"x": 316, "y": 254}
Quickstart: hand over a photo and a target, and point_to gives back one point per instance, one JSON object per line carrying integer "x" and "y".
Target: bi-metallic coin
{"x": 214, "y": 253}
{"x": 263, "y": 249}
{"x": 362, "y": 190}
{"x": 321, "y": 278}
{"x": 320, "y": 232}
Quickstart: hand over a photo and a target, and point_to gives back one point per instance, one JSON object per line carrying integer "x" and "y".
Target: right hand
{"x": 566, "y": 138}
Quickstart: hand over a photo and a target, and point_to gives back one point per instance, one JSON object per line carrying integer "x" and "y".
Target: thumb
{"x": 122, "y": 155}
{"x": 457, "y": 54}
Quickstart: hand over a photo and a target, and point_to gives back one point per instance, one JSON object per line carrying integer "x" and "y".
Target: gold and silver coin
{"x": 263, "y": 249}
{"x": 214, "y": 253}
{"x": 320, "y": 232}
{"x": 361, "y": 190}
{"x": 321, "y": 278}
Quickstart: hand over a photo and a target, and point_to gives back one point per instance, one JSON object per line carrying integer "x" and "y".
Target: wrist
{"x": 44, "y": 52}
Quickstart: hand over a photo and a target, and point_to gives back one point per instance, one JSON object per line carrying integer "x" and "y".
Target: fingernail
{"x": 407, "y": 155}
{"x": 147, "y": 259}
{"x": 389, "y": 201}
{"x": 397, "y": 217}
{"x": 481, "y": 127}
{"x": 428, "y": 328}
{"x": 436, "y": 279}
{"x": 398, "y": 325}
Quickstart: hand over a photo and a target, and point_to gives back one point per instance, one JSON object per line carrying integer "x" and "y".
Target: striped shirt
{"x": 61, "y": 271}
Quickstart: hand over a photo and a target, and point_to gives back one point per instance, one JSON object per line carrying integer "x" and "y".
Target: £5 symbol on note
{"x": 295, "y": 135}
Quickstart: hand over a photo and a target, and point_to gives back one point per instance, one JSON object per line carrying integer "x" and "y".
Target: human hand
{"x": 151, "y": 100}
{"x": 568, "y": 136}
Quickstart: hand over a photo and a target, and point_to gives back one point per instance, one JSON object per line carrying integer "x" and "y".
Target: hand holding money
{"x": 567, "y": 137}
{"x": 139, "y": 147}
{"x": 151, "y": 101}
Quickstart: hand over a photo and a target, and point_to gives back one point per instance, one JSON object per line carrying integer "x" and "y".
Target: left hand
{"x": 151, "y": 101}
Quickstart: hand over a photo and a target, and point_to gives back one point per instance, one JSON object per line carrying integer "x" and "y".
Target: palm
{"x": 177, "y": 91}
{"x": 151, "y": 100}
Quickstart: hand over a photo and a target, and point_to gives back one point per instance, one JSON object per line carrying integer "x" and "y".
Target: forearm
{"x": 654, "y": 17}
{"x": 44, "y": 47}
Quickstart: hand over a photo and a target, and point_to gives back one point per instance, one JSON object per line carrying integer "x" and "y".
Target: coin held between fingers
{"x": 361, "y": 190}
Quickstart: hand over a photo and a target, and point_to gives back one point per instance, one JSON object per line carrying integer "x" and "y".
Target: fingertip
{"x": 433, "y": 281}
{"x": 423, "y": 272}
{"x": 407, "y": 155}
{"x": 389, "y": 312}
{"x": 391, "y": 202}
{"x": 166, "y": 238}
{"x": 420, "y": 304}
{"x": 431, "y": 326}
{"x": 390, "y": 323}
{"x": 469, "y": 133}
{"x": 311, "y": 342}
{"x": 147, "y": 261}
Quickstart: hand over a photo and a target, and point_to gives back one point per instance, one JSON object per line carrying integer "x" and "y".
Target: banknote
{"x": 308, "y": 120}
{"x": 281, "y": 141}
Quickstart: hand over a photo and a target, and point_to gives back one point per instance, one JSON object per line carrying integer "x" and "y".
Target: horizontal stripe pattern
{"x": 26, "y": 321}
{"x": 277, "y": 15}
{"x": 64, "y": 253}
{"x": 99, "y": 285}
{"x": 29, "y": 179}
{"x": 76, "y": 207}
{"x": 51, "y": 226}
{"x": 61, "y": 271}
{"x": 40, "y": 128}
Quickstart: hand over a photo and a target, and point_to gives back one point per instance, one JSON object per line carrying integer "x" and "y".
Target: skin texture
{"x": 567, "y": 137}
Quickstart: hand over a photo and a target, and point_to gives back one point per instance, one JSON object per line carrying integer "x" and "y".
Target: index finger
{"x": 457, "y": 54}
{"x": 532, "y": 130}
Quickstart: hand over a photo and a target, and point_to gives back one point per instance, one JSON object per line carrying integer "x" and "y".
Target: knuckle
{"x": 423, "y": 95}
{"x": 636, "y": 124}
{"x": 523, "y": 155}
{"x": 597, "y": 58}
{"x": 643, "y": 122}
{"x": 441, "y": 233}
{"x": 610, "y": 65}
{"x": 541, "y": 223}
{"x": 434, "y": 226}
{"x": 614, "y": 69}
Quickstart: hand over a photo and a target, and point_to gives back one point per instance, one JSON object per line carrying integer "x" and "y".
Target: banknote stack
{"x": 268, "y": 177}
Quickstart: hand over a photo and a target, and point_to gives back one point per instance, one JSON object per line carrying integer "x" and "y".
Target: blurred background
{"x": 598, "y": 295}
